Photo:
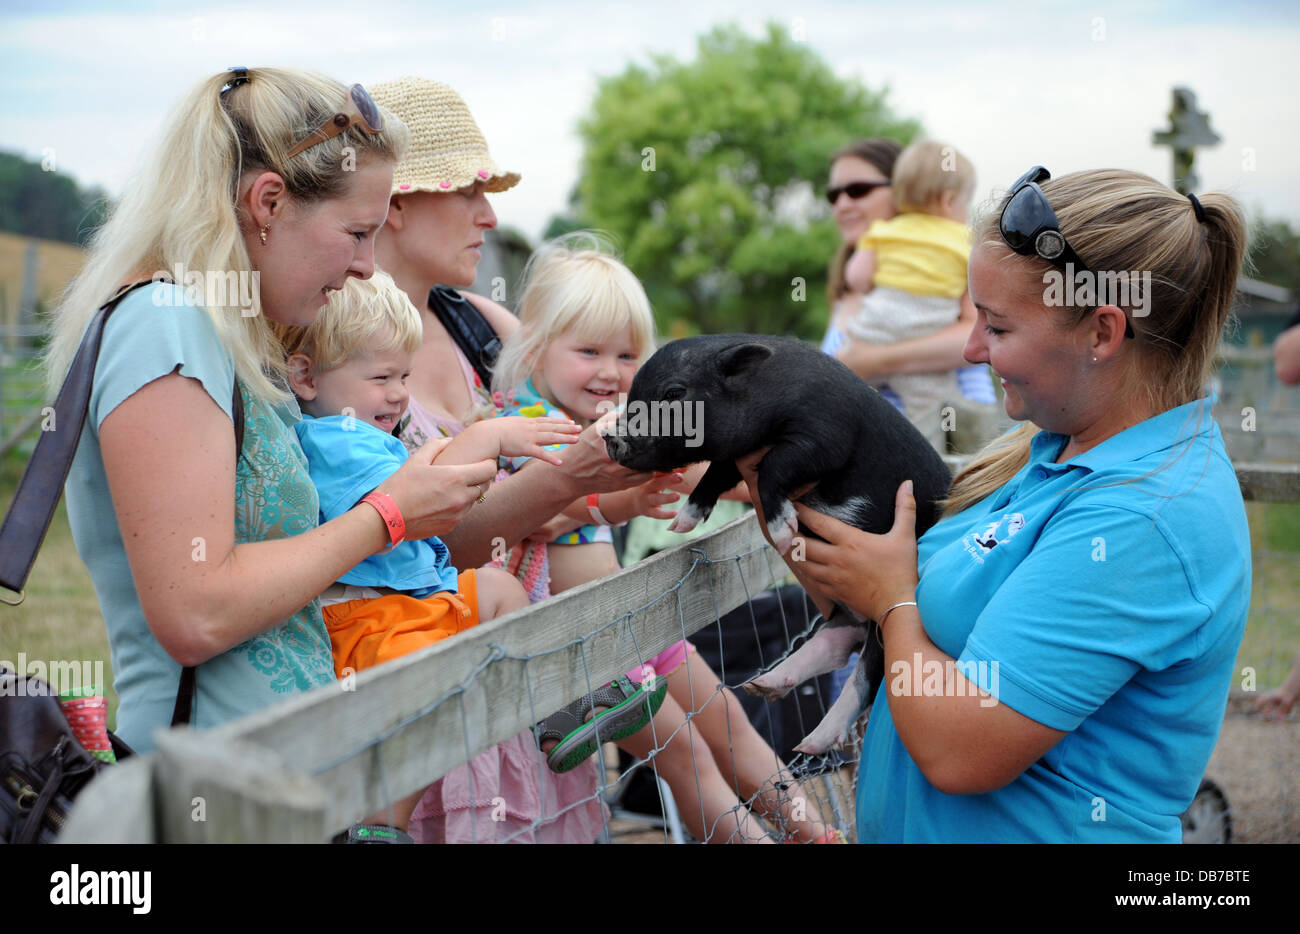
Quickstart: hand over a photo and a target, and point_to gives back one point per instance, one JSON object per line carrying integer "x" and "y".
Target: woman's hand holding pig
{"x": 868, "y": 573}
{"x": 588, "y": 468}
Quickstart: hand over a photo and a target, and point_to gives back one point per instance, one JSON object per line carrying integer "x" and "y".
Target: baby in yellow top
{"x": 912, "y": 271}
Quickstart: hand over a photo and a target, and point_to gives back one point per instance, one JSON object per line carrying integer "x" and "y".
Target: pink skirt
{"x": 506, "y": 790}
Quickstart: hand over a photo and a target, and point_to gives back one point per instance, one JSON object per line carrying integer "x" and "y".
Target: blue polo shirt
{"x": 347, "y": 458}
{"x": 1105, "y": 596}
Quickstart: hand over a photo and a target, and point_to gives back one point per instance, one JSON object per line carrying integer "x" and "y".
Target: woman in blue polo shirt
{"x": 1092, "y": 571}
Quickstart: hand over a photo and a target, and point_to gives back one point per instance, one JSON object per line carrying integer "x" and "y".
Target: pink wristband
{"x": 593, "y": 509}
{"x": 388, "y": 511}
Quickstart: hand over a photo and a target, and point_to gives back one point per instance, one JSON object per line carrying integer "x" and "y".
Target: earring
{"x": 268, "y": 227}
{"x": 1094, "y": 359}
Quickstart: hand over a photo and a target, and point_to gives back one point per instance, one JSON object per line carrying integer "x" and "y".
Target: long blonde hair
{"x": 1120, "y": 220}
{"x": 180, "y": 209}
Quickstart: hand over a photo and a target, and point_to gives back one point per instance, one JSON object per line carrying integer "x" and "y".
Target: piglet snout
{"x": 616, "y": 447}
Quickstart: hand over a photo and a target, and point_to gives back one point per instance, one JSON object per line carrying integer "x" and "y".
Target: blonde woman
{"x": 1092, "y": 572}
{"x": 277, "y": 181}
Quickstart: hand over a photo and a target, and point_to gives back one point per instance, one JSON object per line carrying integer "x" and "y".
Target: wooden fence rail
{"x": 301, "y": 770}
{"x": 305, "y": 768}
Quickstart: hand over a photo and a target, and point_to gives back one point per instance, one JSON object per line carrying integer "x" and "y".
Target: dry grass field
{"x": 56, "y": 262}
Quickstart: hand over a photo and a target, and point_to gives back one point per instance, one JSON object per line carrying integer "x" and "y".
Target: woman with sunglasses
{"x": 202, "y": 555}
{"x": 1092, "y": 570}
{"x": 860, "y": 194}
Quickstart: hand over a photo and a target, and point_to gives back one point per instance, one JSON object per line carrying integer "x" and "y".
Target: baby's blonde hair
{"x": 926, "y": 170}
{"x": 573, "y": 284}
{"x": 367, "y": 316}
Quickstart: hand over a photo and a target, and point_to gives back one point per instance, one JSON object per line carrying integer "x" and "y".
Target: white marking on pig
{"x": 783, "y": 526}
{"x": 688, "y": 517}
{"x": 853, "y": 510}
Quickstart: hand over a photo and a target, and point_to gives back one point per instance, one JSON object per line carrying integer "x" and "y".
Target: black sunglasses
{"x": 238, "y": 75}
{"x": 855, "y": 190}
{"x": 1028, "y": 225}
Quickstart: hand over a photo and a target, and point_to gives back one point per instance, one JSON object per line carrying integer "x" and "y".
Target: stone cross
{"x": 1188, "y": 128}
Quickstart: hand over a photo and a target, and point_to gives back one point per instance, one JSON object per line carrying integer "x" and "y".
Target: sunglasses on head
{"x": 359, "y": 109}
{"x": 1029, "y": 227}
{"x": 238, "y": 75}
{"x": 854, "y": 190}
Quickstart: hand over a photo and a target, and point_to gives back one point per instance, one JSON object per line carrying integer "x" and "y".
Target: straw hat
{"x": 448, "y": 150}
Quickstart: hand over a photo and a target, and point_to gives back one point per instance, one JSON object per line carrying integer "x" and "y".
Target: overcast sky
{"x": 1070, "y": 85}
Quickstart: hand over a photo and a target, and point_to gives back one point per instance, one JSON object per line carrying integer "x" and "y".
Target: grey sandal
{"x": 630, "y": 708}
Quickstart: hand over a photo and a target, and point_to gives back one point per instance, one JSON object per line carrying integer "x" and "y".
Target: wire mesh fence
{"x": 713, "y": 772}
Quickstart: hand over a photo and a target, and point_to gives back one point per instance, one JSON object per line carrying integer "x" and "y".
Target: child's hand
{"x": 554, "y": 528}
{"x": 860, "y": 270}
{"x": 512, "y": 436}
{"x": 648, "y": 499}
{"x": 526, "y": 437}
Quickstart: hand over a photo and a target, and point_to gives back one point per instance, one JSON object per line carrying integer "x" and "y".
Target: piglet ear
{"x": 738, "y": 363}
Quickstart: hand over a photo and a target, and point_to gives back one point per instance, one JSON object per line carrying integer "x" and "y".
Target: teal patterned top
{"x": 152, "y": 334}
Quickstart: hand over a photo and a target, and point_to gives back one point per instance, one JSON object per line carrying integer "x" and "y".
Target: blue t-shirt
{"x": 153, "y": 333}
{"x": 348, "y": 458}
{"x": 1106, "y": 597}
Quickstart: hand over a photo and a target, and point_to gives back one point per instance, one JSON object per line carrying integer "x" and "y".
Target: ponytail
{"x": 1121, "y": 220}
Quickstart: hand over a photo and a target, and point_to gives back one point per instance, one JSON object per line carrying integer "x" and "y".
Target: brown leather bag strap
{"x": 184, "y": 708}
{"x": 39, "y": 490}
{"x": 184, "y": 698}
{"x": 41, "y": 486}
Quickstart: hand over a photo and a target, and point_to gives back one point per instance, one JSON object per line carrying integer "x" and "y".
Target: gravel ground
{"x": 1256, "y": 763}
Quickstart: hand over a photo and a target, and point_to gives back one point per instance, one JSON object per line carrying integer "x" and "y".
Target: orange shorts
{"x": 365, "y": 633}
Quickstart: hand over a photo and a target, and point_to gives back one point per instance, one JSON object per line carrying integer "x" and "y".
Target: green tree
{"x": 1275, "y": 254}
{"x": 709, "y": 172}
{"x": 36, "y": 203}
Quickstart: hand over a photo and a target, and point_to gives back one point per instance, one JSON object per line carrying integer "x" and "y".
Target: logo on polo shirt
{"x": 1000, "y": 530}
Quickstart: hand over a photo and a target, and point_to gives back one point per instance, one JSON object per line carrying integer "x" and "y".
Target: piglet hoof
{"x": 783, "y": 527}
{"x": 771, "y": 686}
{"x": 818, "y": 743}
{"x": 688, "y": 517}
{"x": 831, "y": 733}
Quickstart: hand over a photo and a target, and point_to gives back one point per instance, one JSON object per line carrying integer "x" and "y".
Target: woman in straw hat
{"x": 436, "y": 222}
